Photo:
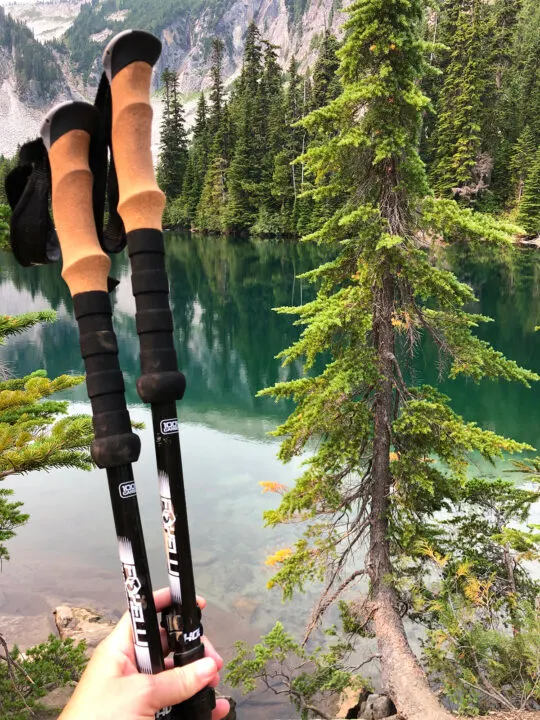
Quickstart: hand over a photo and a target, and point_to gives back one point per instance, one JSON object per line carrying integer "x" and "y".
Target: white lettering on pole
{"x": 193, "y": 635}
{"x": 168, "y": 520}
{"x": 127, "y": 489}
{"x": 133, "y": 587}
{"x": 169, "y": 426}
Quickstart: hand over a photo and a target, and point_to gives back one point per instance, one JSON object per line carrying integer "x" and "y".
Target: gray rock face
{"x": 82, "y": 624}
{"x": 58, "y": 698}
{"x": 377, "y": 707}
{"x": 186, "y": 49}
{"x": 186, "y": 44}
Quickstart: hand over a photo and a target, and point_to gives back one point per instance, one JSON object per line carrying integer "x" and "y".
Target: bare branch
{"x": 325, "y": 602}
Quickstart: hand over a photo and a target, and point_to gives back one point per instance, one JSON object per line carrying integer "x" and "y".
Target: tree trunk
{"x": 403, "y": 678}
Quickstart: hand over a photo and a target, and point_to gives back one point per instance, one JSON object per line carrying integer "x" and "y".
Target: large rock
{"x": 350, "y": 702}
{"x": 82, "y": 624}
{"x": 57, "y": 699}
{"x": 377, "y": 707}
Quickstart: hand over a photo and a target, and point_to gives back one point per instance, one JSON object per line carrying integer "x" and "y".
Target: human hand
{"x": 111, "y": 686}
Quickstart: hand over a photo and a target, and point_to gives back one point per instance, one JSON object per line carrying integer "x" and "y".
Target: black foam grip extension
{"x": 115, "y": 443}
{"x": 160, "y": 380}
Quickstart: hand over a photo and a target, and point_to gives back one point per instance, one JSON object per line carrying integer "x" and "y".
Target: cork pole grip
{"x": 85, "y": 265}
{"x": 141, "y": 201}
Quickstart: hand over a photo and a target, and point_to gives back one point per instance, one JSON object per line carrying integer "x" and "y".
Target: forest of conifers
{"x": 241, "y": 170}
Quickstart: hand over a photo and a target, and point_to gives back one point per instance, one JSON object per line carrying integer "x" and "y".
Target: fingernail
{"x": 206, "y": 668}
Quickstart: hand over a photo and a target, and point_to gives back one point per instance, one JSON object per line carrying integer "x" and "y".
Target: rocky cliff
{"x": 80, "y": 30}
{"x": 186, "y": 42}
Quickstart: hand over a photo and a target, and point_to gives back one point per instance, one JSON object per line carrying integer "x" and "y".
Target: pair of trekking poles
{"x": 68, "y": 134}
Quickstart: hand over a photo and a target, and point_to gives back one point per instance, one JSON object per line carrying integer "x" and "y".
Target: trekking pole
{"x": 128, "y": 62}
{"x": 66, "y": 133}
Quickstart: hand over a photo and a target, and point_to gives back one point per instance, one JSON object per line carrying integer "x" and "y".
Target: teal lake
{"x": 227, "y": 336}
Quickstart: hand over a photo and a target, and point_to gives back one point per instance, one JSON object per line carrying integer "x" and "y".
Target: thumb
{"x": 174, "y": 686}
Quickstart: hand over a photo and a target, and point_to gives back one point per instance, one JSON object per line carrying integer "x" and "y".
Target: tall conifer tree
{"x": 217, "y": 93}
{"x": 325, "y": 77}
{"x": 286, "y": 177}
{"x": 458, "y": 130}
{"x": 173, "y": 156}
{"x": 371, "y": 483}
{"x": 197, "y": 163}
{"x": 246, "y": 165}
{"x": 529, "y": 209}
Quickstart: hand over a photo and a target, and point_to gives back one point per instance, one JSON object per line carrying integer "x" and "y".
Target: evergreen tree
{"x": 217, "y": 95}
{"x": 458, "y": 130}
{"x": 197, "y": 164}
{"x": 524, "y": 81}
{"x": 286, "y": 177}
{"x": 371, "y": 485}
{"x": 500, "y": 128}
{"x": 31, "y": 435}
{"x": 271, "y": 104}
{"x": 173, "y": 156}
{"x": 213, "y": 201}
{"x": 523, "y": 154}
{"x": 529, "y": 209}
{"x": 213, "y": 197}
{"x": 313, "y": 212}
{"x": 243, "y": 179}
{"x": 244, "y": 198}
{"x": 325, "y": 78}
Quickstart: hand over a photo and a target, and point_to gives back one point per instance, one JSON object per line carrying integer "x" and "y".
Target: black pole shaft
{"x": 161, "y": 384}
{"x": 115, "y": 448}
{"x": 127, "y": 522}
{"x": 174, "y": 517}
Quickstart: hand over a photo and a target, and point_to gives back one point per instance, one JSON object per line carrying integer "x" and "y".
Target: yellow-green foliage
{"x": 32, "y": 435}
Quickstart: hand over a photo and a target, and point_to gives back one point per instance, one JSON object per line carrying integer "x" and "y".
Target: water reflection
{"x": 227, "y": 336}
{"x": 507, "y": 285}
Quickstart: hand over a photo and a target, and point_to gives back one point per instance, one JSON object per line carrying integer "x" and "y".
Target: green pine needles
{"x": 25, "y": 678}
{"x": 387, "y": 458}
{"x": 173, "y": 146}
{"x": 529, "y": 207}
{"x": 32, "y": 435}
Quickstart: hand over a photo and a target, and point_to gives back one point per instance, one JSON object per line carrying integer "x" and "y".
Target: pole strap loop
{"x": 28, "y": 186}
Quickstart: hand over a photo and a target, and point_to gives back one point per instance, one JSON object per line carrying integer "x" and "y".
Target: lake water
{"x": 227, "y": 336}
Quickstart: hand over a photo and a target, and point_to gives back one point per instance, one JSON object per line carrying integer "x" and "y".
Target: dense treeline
{"x": 241, "y": 175}
{"x": 480, "y": 139}
{"x": 481, "y": 142}
{"x": 36, "y": 70}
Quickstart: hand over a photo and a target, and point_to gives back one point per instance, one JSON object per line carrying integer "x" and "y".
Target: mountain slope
{"x": 31, "y": 78}
{"x": 187, "y": 27}
{"x": 47, "y": 20}
{"x": 35, "y": 75}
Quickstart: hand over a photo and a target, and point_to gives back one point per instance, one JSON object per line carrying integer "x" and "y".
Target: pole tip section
{"x": 128, "y": 47}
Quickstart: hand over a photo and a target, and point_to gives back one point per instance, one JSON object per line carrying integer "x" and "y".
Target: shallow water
{"x": 227, "y": 336}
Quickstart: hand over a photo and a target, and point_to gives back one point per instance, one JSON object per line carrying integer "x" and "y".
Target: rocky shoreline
{"x": 80, "y": 623}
